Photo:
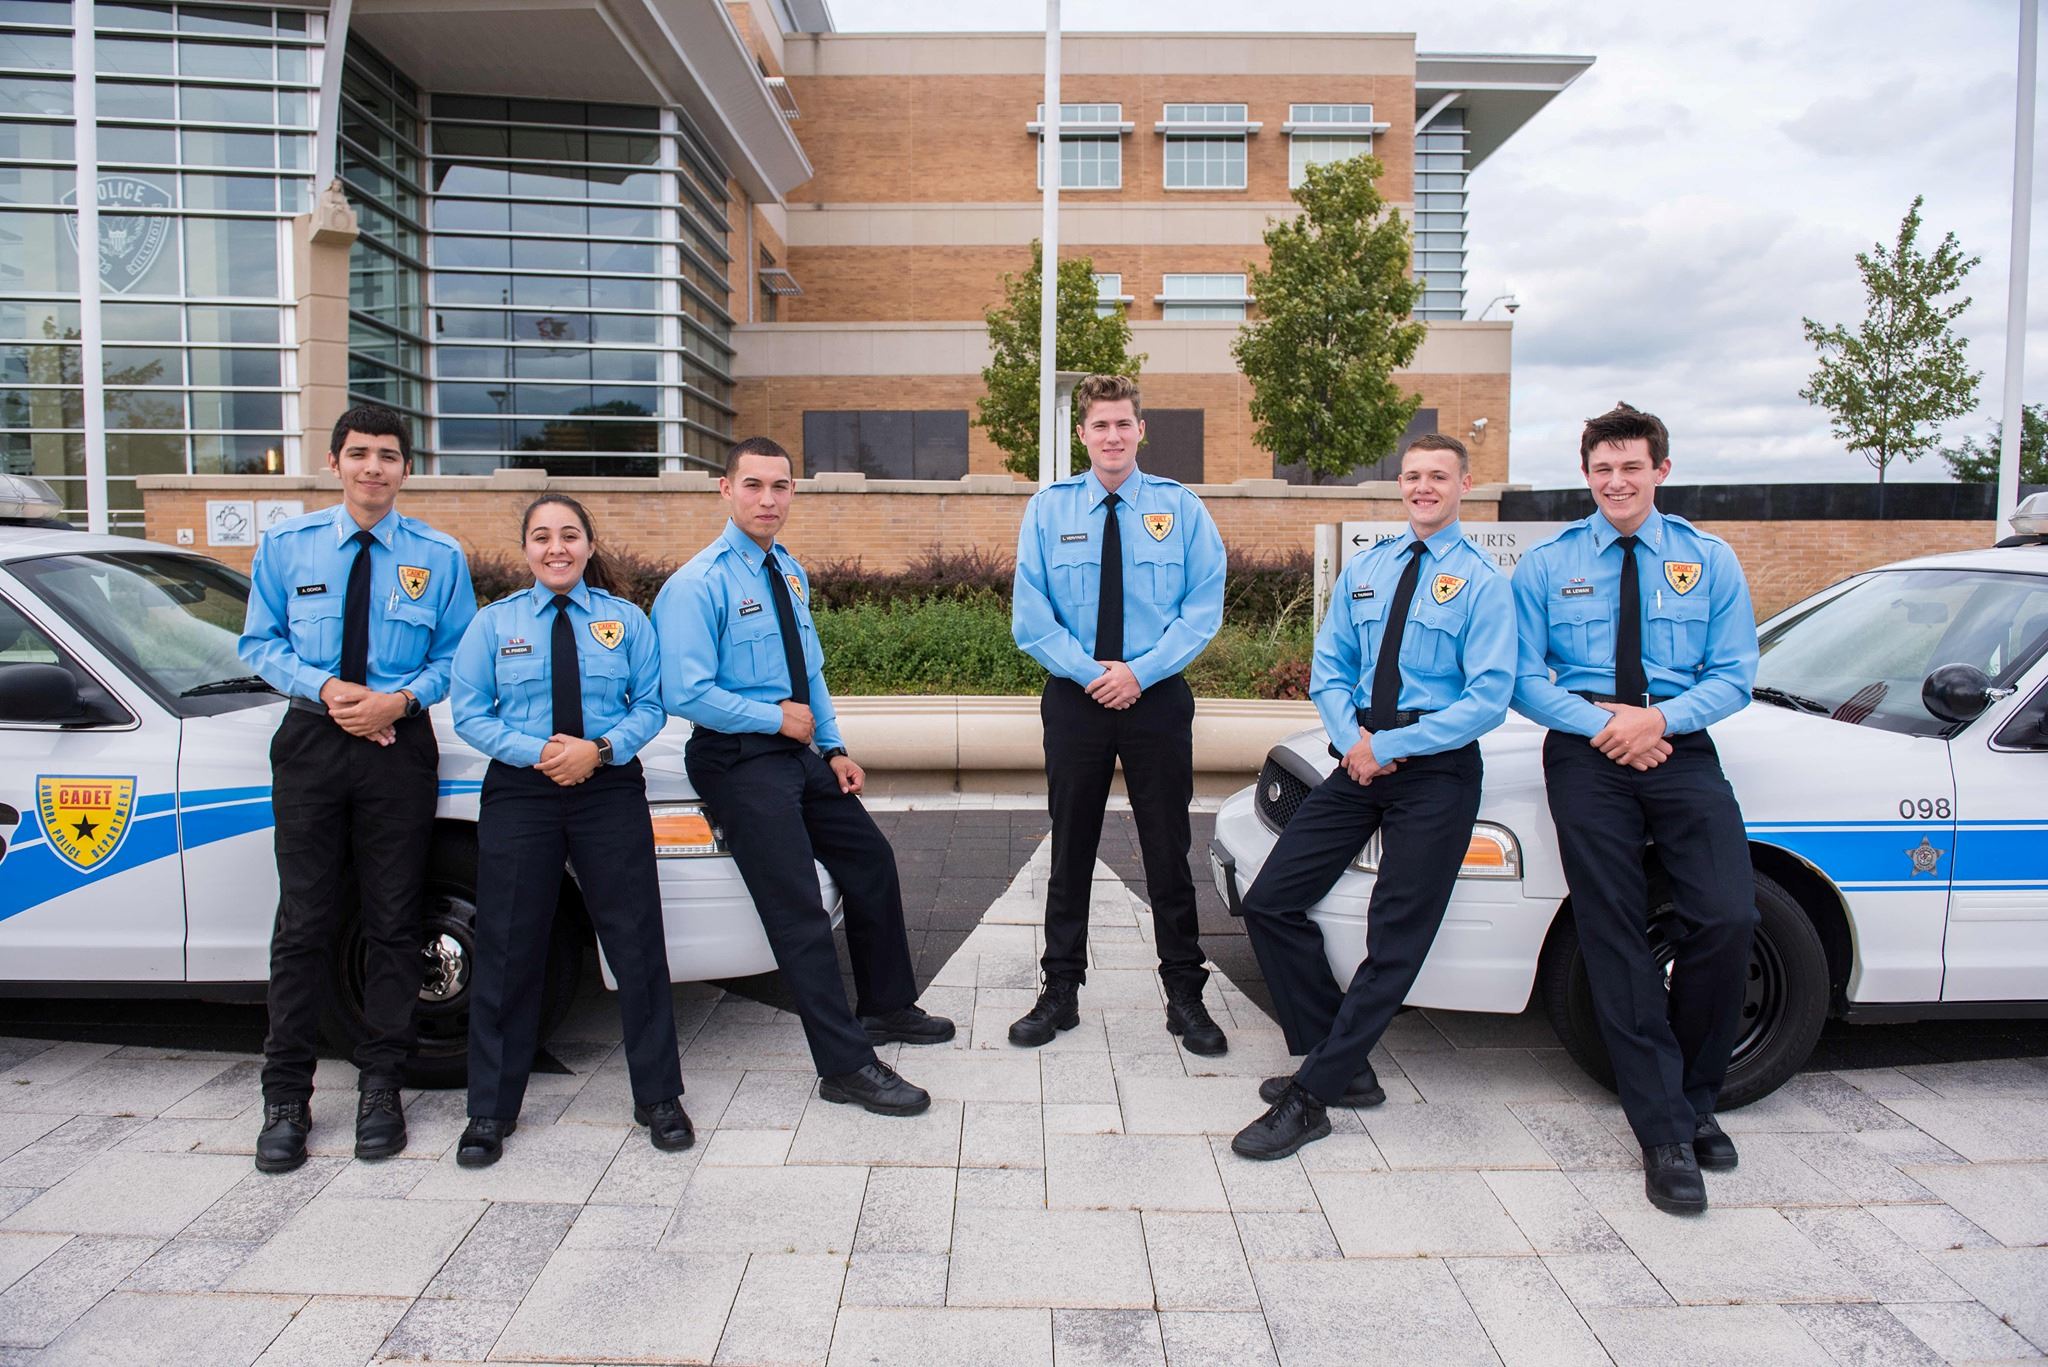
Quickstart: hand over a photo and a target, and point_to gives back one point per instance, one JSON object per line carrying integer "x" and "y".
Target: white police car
{"x": 1893, "y": 773}
{"x": 135, "y": 824}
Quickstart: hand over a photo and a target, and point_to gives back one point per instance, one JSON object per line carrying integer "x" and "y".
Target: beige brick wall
{"x": 775, "y": 407}
{"x": 960, "y": 139}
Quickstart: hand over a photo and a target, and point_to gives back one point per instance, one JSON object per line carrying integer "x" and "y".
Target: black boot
{"x": 1188, "y": 1018}
{"x": 877, "y": 1088}
{"x": 1671, "y": 1179}
{"x": 1294, "y": 1120}
{"x": 1363, "y": 1090}
{"x": 281, "y": 1146}
{"x": 1714, "y": 1150}
{"x": 380, "y": 1123}
{"x": 483, "y": 1140}
{"x": 668, "y": 1124}
{"x": 909, "y": 1025}
{"x": 1058, "y": 1008}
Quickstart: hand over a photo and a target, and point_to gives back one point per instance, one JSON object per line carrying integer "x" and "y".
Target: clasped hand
{"x": 1634, "y": 736}
{"x": 568, "y": 760}
{"x": 362, "y": 711}
{"x": 1115, "y": 687}
{"x": 1363, "y": 766}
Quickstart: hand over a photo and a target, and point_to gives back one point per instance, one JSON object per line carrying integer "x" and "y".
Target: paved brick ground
{"x": 1077, "y": 1204}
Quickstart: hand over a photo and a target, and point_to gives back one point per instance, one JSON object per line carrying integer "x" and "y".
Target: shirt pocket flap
{"x": 752, "y": 627}
{"x": 1579, "y": 609}
{"x": 1365, "y": 610}
{"x": 1083, "y": 552}
{"x": 1437, "y": 616}
{"x": 610, "y": 665}
{"x": 414, "y": 614}
{"x": 1146, "y": 551}
{"x": 520, "y": 669}
{"x": 1679, "y": 607}
{"x": 317, "y": 608}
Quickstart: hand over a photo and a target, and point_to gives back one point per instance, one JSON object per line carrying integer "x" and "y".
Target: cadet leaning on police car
{"x": 354, "y": 614}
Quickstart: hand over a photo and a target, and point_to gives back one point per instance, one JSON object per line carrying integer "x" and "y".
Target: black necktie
{"x": 1629, "y": 683}
{"x": 355, "y": 615}
{"x": 1109, "y": 605}
{"x": 1386, "y": 670}
{"x": 792, "y": 644}
{"x": 568, "y": 676}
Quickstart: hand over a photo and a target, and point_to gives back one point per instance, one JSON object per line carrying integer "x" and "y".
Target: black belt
{"x": 300, "y": 704}
{"x": 1401, "y": 719}
{"x": 1638, "y": 700}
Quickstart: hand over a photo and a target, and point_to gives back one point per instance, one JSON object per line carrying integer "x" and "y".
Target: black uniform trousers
{"x": 528, "y": 826}
{"x": 340, "y": 801}
{"x": 1154, "y": 737}
{"x": 1424, "y": 812}
{"x": 1669, "y": 1047}
{"x": 780, "y": 807}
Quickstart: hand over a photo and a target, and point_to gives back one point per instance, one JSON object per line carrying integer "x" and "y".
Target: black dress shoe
{"x": 668, "y": 1124}
{"x": 1363, "y": 1090}
{"x": 483, "y": 1140}
{"x": 1295, "y": 1119}
{"x": 1714, "y": 1150}
{"x": 1058, "y": 1008}
{"x": 876, "y": 1088}
{"x": 380, "y": 1123}
{"x": 907, "y": 1025}
{"x": 1671, "y": 1179}
{"x": 1188, "y": 1018}
{"x": 281, "y": 1145}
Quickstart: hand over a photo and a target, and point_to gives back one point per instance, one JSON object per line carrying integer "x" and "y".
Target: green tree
{"x": 1974, "y": 464}
{"x": 1082, "y": 341}
{"x": 1334, "y": 325}
{"x": 1892, "y": 382}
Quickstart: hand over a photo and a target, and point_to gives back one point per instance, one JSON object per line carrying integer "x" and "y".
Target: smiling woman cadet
{"x": 560, "y": 684}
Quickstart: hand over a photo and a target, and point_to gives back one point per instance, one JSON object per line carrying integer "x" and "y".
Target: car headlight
{"x": 1493, "y": 853}
{"x": 683, "y": 830}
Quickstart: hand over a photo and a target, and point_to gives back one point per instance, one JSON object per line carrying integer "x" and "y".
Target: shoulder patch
{"x": 1445, "y": 587}
{"x": 608, "y": 634}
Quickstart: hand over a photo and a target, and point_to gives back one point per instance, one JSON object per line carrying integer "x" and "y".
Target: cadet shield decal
{"x": 796, "y": 586}
{"x": 1682, "y": 574}
{"x": 413, "y": 580}
{"x": 1158, "y": 525}
{"x": 1445, "y": 587}
{"x": 608, "y": 634}
{"x": 84, "y": 818}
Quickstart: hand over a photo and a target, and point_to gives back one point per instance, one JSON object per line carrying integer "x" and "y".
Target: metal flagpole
{"x": 1049, "y": 258}
{"x": 2016, "y": 287}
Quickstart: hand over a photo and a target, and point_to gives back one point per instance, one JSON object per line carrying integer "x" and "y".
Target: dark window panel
{"x": 1173, "y": 444}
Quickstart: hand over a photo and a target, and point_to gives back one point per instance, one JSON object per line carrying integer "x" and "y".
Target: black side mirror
{"x": 39, "y": 693}
{"x": 1957, "y": 693}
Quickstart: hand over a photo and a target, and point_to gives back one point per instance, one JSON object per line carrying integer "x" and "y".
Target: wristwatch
{"x": 412, "y": 704}
{"x": 836, "y": 752}
{"x": 604, "y": 750}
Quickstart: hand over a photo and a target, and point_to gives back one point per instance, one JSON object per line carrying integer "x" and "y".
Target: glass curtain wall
{"x": 204, "y": 132}
{"x": 381, "y": 161}
{"x": 1440, "y": 216}
{"x": 578, "y": 288}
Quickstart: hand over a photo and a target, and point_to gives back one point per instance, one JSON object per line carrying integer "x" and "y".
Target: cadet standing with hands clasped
{"x": 741, "y": 661}
{"x": 1646, "y": 623}
{"x": 560, "y": 684}
{"x": 1414, "y": 661}
{"x": 1119, "y": 586}
{"x": 354, "y": 614}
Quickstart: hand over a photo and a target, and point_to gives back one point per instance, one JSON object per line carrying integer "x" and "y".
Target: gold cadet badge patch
{"x": 796, "y": 586}
{"x": 413, "y": 580}
{"x": 1682, "y": 574}
{"x": 1157, "y": 525}
{"x": 84, "y": 818}
{"x": 1445, "y": 587}
{"x": 608, "y": 634}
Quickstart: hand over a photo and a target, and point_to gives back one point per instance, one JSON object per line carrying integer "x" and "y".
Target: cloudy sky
{"x": 1668, "y": 220}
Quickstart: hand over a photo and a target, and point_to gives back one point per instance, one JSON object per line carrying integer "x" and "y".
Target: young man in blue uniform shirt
{"x": 1415, "y": 660}
{"x": 354, "y": 614}
{"x": 741, "y": 661}
{"x": 1646, "y": 624}
{"x": 1119, "y": 586}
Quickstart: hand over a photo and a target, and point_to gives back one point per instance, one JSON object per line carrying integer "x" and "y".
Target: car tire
{"x": 440, "y": 1056}
{"x": 1785, "y": 1002}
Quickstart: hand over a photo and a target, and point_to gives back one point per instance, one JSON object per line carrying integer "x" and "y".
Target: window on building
{"x": 1388, "y": 467}
{"x": 1091, "y": 146}
{"x": 1187, "y": 298}
{"x": 1109, "y": 293}
{"x": 1205, "y": 146}
{"x": 1319, "y": 134}
{"x": 1173, "y": 444}
{"x": 1440, "y": 216}
{"x": 886, "y": 444}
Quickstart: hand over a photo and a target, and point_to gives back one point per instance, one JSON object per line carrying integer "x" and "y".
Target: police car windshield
{"x": 169, "y": 620}
{"x": 1862, "y": 654}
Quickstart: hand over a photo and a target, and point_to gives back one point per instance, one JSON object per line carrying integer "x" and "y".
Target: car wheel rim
{"x": 1763, "y": 987}
{"x": 447, "y": 961}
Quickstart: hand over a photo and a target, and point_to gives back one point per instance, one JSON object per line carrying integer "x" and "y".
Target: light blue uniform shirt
{"x": 1457, "y": 649}
{"x": 1699, "y": 631}
{"x": 1173, "y": 576}
{"x": 420, "y": 604}
{"x": 504, "y": 691}
{"x": 722, "y": 665}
